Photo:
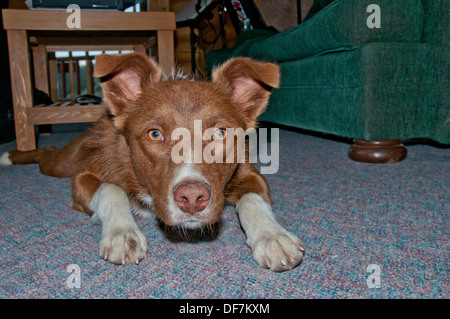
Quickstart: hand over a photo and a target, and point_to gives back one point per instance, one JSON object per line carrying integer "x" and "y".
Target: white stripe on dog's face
{"x": 177, "y": 217}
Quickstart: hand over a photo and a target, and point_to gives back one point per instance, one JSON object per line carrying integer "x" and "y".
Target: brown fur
{"x": 117, "y": 149}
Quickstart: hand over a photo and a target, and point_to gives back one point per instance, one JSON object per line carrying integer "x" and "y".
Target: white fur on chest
{"x": 143, "y": 205}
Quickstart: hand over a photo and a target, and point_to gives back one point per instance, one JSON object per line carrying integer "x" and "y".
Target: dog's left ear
{"x": 250, "y": 84}
{"x": 123, "y": 78}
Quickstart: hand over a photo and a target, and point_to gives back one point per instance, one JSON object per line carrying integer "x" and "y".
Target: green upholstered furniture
{"x": 375, "y": 85}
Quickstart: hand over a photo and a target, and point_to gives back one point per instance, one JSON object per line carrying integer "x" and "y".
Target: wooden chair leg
{"x": 378, "y": 152}
{"x": 166, "y": 52}
{"x": 22, "y": 92}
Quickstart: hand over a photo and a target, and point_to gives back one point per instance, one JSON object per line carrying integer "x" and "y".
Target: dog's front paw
{"x": 123, "y": 246}
{"x": 279, "y": 251}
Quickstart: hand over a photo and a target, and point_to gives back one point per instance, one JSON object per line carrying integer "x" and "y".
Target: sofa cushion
{"x": 377, "y": 91}
{"x": 343, "y": 24}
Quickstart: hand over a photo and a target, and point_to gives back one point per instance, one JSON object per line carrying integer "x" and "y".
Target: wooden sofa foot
{"x": 379, "y": 152}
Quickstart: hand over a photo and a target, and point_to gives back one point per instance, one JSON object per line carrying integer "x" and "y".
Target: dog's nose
{"x": 192, "y": 196}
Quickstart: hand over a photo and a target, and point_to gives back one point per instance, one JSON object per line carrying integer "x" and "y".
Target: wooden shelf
{"x": 64, "y": 114}
{"x": 90, "y": 20}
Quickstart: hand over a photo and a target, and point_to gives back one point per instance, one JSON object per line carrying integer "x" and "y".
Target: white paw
{"x": 123, "y": 246}
{"x": 279, "y": 251}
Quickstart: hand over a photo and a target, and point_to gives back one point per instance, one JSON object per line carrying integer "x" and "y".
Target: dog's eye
{"x": 220, "y": 134}
{"x": 155, "y": 135}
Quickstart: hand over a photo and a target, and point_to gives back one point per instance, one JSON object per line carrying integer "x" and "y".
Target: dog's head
{"x": 177, "y": 130}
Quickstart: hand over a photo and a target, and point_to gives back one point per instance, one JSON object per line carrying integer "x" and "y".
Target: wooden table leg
{"x": 22, "y": 91}
{"x": 166, "y": 52}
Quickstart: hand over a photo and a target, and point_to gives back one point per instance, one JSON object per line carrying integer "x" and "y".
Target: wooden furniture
{"x": 106, "y": 29}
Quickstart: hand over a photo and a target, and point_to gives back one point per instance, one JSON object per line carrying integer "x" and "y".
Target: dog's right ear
{"x": 123, "y": 78}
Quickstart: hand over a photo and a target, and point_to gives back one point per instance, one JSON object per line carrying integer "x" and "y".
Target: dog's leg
{"x": 122, "y": 241}
{"x": 273, "y": 247}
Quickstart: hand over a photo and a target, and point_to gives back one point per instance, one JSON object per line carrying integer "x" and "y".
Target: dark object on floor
{"x": 86, "y": 99}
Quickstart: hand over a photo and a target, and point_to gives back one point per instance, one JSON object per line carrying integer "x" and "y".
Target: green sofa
{"x": 376, "y": 85}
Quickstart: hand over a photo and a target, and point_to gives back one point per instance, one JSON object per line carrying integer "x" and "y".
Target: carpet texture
{"x": 349, "y": 215}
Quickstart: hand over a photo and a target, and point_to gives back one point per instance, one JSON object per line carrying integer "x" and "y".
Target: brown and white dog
{"x": 123, "y": 163}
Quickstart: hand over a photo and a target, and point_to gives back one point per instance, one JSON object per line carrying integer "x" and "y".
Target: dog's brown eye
{"x": 155, "y": 135}
{"x": 220, "y": 134}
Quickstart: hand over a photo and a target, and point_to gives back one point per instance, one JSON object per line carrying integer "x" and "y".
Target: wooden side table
{"x": 108, "y": 27}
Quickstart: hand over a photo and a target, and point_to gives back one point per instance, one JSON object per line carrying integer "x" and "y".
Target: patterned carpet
{"x": 349, "y": 215}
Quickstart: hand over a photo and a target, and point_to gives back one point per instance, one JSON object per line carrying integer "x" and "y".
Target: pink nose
{"x": 191, "y": 196}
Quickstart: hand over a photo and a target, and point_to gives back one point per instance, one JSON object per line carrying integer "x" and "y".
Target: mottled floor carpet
{"x": 371, "y": 231}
